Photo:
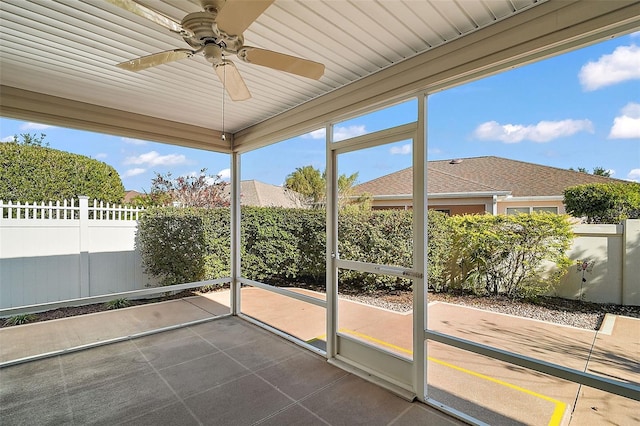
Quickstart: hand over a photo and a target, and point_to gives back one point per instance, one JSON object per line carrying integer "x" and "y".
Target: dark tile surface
{"x": 353, "y": 401}
{"x": 243, "y": 402}
{"x": 198, "y": 375}
{"x": 301, "y": 375}
{"x": 294, "y": 415}
{"x": 225, "y": 372}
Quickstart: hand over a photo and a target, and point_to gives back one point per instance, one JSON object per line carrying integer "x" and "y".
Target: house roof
{"x": 130, "y": 194}
{"x": 260, "y": 194}
{"x": 482, "y": 175}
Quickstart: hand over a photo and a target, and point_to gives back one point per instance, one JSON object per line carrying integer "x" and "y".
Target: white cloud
{"x": 627, "y": 125}
{"x": 225, "y": 174}
{"x": 339, "y": 133}
{"x": 621, "y": 65}
{"x": 34, "y": 126}
{"x": 152, "y": 158}
{"x": 342, "y": 133}
{"x": 316, "y": 134}
{"x": 132, "y": 141}
{"x": 634, "y": 175}
{"x": 402, "y": 150}
{"x": 7, "y": 139}
{"x": 544, "y": 131}
{"x": 133, "y": 172}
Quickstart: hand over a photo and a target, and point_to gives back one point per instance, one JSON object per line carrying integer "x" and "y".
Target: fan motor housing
{"x": 203, "y": 30}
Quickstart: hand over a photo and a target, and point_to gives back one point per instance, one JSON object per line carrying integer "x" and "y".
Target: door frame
{"x": 405, "y": 378}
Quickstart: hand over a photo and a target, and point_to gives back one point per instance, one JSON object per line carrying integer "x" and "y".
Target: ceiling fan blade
{"x": 155, "y": 59}
{"x": 149, "y": 14}
{"x": 282, "y": 62}
{"x": 232, "y": 81}
{"x": 236, "y": 15}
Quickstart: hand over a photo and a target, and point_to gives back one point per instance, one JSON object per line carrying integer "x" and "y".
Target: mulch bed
{"x": 398, "y": 298}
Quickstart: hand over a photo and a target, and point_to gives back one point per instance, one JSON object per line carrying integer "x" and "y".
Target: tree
{"x": 29, "y": 139}
{"x": 598, "y": 171}
{"x": 200, "y": 190}
{"x": 601, "y": 171}
{"x": 311, "y": 184}
{"x": 604, "y": 202}
{"x": 32, "y": 172}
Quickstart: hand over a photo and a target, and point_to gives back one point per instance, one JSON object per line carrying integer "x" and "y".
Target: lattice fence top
{"x": 74, "y": 209}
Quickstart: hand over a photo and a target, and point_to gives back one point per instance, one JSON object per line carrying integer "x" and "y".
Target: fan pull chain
{"x": 224, "y": 84}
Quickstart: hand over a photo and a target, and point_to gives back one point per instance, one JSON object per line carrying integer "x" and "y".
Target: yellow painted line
{"x": 560, "y": 406}
{"x": 558, "y": 412}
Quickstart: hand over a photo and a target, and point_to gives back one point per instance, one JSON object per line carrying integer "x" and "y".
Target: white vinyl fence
{"x": 606, "y": 266}
{"x": 67, "y": 250}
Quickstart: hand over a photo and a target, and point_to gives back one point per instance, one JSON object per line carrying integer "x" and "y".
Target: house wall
{"x": 455, "y": 210}
{"x": 45, "y": 257}
{"x": 456, "y": 206}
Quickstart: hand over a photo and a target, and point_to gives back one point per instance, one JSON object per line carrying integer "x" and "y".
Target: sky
{"x": 579, "y": 109}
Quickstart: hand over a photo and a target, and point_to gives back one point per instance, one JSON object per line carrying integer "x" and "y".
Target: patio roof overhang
{"x": 55, "y": 72}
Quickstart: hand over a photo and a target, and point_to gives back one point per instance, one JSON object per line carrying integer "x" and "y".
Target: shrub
{"x": 438, "y": 249}
{"x": 604, "y": 202}
{"x": 507, "y": 254}
{"x": 280, "y": 244}
{"x": 377, "y": 236}
{"x": 285, "y": 246}
{"x": 20, "y": 319}
{"x": 180, "y": 245}
{"x": 117, "y": 303}
{"x": 31, "y": 173}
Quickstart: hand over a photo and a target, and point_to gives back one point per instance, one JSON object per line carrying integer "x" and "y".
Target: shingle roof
{"x": 260, "y": 194}
{"x": 484, "y": 174}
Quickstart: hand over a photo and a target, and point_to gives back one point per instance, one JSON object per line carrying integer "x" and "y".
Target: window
{"x": 546, "y": 209}
{"x": 516, "y": 210}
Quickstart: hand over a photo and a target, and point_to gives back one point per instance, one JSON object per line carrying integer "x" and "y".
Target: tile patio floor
{"x": 223, "y": 372}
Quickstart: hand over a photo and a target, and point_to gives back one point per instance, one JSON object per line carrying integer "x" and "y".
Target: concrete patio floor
{"x": 152, "y": 378}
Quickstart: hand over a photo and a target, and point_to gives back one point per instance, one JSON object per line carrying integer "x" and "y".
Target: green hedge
{"x": 281, "y": 246}
{"x": 494, "y": 254}
{"x": 34, "y": 174}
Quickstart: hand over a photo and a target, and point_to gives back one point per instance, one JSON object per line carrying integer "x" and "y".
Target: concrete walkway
{"x": 489, "y": 390}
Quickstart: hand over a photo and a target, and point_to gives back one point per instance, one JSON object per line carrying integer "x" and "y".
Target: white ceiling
{"x": 69, "y": 48}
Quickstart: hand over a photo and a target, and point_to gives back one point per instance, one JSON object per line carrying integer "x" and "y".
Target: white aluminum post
{"x": 235, "y": 234}
{"x": 420, "y": 249}
{"x": 332, "y": 246}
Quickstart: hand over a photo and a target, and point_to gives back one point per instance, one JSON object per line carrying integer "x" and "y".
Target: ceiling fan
{"x": 216, "y": 32}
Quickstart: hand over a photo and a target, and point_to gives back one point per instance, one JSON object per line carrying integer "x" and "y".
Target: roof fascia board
{"x": 442, "y": 195}
{"x": 46, "y": 109}
{"x": 535, "y": 198}
{"x": 541, "y": 31}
